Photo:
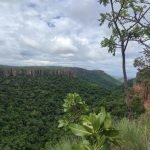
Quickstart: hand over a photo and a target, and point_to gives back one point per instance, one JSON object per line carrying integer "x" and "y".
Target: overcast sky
{"x": 57, "y": 32}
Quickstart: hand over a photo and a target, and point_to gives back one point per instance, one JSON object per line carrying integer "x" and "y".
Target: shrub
{"x": 95, "y": 130}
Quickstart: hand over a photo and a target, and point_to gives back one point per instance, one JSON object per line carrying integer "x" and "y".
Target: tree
{"x": 143, "y": 65}
{"x": 127, "y": 22}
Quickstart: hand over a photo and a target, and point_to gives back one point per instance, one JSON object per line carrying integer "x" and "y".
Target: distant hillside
{"x": 95, "y": 76}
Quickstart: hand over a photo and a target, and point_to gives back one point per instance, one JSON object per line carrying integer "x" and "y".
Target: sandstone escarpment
{"x": 36, "y": 72}
{"x": 143, "y": 91}
{"x": 142, "y": 87}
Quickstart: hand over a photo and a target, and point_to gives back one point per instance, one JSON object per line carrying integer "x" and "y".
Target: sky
{"x": 58, "y": 33}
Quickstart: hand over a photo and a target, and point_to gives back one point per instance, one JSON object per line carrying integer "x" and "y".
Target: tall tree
{"x": 127, "y": 22}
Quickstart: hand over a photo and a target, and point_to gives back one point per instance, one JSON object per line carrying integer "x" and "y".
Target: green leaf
{"x": 104, "y": 2}
{"x": 93, "y": 120}
{"x": 101, "y": 140}
{"x": 108, "y": 121}
{"x": 101, "y": 116}
{"x": 62, "y": 123}
{"x": 110, "y": 43}
{"x": 87, "y": 123}
{"x": 79, "y": 130}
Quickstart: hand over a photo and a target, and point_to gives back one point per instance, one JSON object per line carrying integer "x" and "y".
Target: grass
{"x": 135, "y": 135}
{"x": 64, "y": 144}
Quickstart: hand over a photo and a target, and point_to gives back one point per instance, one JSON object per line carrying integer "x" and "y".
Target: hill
{"x": 95, "y": 76}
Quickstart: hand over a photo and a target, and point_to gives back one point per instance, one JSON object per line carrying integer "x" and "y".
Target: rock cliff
{"x": 141, "y": 88}
{"x": 36, "y": 71}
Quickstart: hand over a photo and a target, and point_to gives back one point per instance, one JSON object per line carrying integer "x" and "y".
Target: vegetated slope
{"x": 99, "y": 77}
{"x": 31, "y": 106}
{"x": 95, "y": 76}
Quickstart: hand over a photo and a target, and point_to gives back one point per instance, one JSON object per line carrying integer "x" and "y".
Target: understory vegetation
{"x": 135, "y": 135}
{"x": 122, "y": 134}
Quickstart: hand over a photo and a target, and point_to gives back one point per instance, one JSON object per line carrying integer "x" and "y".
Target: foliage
{"x": 143, "y": 76}
{"x": 98, "y": 77}
{"x": 30, "y": 108}
{"x": 143, "y": 62}
{"x": 95, "y": 130}
{"x": 74, "y": 107}
{"x": 137, "y": 106}
{"x": 128, "y": 21}
{"x": 64, "y": 144}
{"x": 135, "y": 134}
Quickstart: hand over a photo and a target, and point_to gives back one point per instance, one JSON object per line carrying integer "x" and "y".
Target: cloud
{"x": 62, "y": 45}
{"x": 57, "y": 32}
{"x": 29, "y": 42}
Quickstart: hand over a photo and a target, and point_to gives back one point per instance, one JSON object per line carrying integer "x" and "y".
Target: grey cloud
{"x": 57, "y": 32}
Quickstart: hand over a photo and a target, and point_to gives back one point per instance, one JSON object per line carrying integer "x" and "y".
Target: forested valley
{"x": 31, "y": 106}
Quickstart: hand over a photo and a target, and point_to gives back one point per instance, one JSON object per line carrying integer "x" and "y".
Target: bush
{"x": 94, "y": 130}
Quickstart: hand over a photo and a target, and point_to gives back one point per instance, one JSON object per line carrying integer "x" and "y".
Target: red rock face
{"x": 38, "y": 72}
{"x": 143, "y": 91}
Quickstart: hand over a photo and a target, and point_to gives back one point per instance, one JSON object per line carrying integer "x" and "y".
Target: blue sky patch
{"x": 27, "y": 53}
{"x": 57, "y": 17}
{"x": 51, "y": 25}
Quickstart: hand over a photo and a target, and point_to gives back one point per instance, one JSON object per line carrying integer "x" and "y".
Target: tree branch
{"x": 114, "y": 19}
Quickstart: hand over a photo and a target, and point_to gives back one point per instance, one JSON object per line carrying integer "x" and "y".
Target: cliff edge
{"x": 141, "y": 87}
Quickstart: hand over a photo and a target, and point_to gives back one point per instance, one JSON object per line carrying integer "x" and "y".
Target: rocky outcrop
{"x": 36, "y": 72}
{"x": 142, "y": 89}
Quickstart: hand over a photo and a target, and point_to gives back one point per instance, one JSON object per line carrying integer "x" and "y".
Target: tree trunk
{"x": 126, "y": 88}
